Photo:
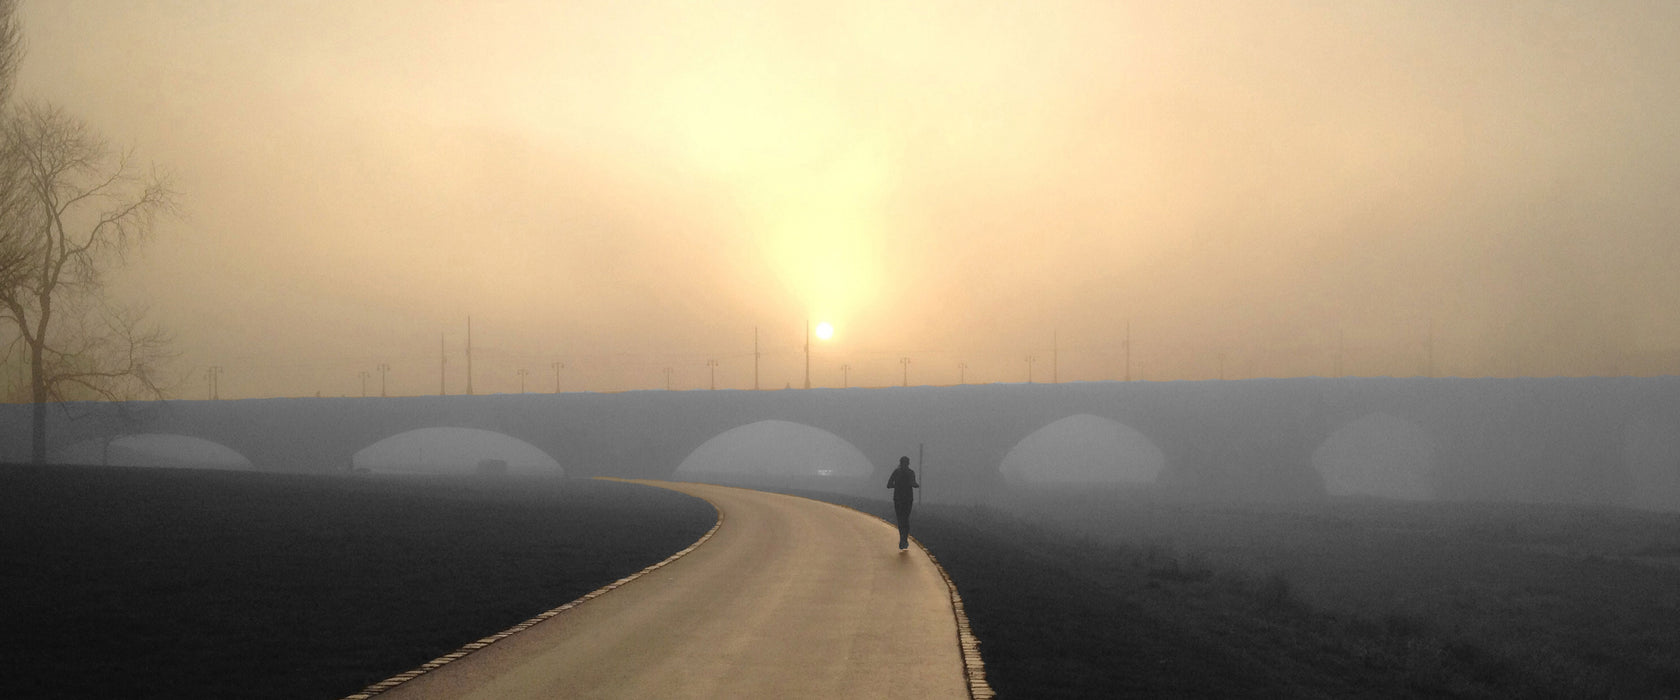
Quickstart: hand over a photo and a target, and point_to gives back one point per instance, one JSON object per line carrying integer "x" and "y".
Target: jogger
{"x": 903, "y": 483}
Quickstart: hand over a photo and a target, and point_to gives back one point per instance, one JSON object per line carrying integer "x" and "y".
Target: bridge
{"x": 1571, "y": 440}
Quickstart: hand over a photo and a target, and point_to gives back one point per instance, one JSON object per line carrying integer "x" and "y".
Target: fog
{"x": 1277, "y": 189}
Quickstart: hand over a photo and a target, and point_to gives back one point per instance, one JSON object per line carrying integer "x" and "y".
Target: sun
{"x": 824, "y": 331}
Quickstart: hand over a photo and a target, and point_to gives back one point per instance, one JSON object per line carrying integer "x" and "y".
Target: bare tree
{"x": 12, "y": 197}
{"x": 13, "y": 200}
{"x": 11, "y": 48}
{"x": 83, "y": 206}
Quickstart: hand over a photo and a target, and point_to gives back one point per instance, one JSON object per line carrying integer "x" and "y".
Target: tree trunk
{"x": 38, "y": 394}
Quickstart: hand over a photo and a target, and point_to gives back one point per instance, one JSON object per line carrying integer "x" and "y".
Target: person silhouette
{"x": 903, "y": 483}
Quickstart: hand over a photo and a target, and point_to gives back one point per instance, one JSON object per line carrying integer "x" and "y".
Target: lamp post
{"x": 712, "y": 365}
{"x": 1127, "y": 346}
{"x": 962, "y": 372}
{"x": 557, "y": 367}
{"x": 1341, "y": 351}
{"x": 1429, "y": 350}
{"x": 845, "y": 376}
{"x": 384, "y": 369}
{"x": 906, "y": 362}
{"x": 364, "y": 375}
{"x": 667, "y": 378}
{"x": 522, "y": 372}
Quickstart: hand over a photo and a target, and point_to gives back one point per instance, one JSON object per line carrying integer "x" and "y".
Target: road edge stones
{"x": 974, "y": 669}
{"x": 439, "y": 662}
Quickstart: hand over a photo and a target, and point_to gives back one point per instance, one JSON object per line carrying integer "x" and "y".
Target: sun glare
{"x": 822, "y": 232}
{"x": 825, "y": 331}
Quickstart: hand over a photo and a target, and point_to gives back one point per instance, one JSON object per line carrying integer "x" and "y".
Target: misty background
{"x": 626, "y": 188}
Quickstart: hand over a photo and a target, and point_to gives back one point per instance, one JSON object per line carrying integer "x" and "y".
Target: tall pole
{"x": 755, "y": 358}
{"x": 384, "y": 369}
{"x": 469, "y": 356}
{"x": 1429, "y": 351}
{"x": 443, "y": 367}
{"x": 712, "y": 365}
{"x": 1030, "y": 360}
{"x": 1127, "y": 346}
{"x": 962, "y": 372}
{"x": 1055, "y": 357}
{"x": 364, "y": 375}
{"x": 522, "y": 372}
{"x": 906, "y": 362}
{"x": 1341, "y": 350}
{"x": 557, "y": 367}
{"x": 921, "y": 468}
{"x": 845, "y": 376}
{"x": 807, "y": 353}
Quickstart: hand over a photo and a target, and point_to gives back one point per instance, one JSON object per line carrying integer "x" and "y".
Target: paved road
{"x": 790, "y": 598}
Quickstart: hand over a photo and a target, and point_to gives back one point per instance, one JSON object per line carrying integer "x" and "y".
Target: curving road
{"x": 789, "y": 598}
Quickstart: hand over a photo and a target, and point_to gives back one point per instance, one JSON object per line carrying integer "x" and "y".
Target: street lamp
{"x": 906, "y": 362}
{"x": 522, "y": 372}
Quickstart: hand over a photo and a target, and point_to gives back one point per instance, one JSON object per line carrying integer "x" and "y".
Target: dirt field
{"x": 139, "y": 583}
{"x": 154, "y": 583}
{"x": 1092, "y": 594}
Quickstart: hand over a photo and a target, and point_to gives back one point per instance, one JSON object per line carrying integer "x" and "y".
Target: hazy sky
{"x": 631, "y": 186}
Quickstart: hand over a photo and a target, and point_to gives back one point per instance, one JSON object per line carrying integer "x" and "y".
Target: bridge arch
{"x": 1084, "y": 448}
{"x": 152, "y": 450}
{"x": 778, "y": 452}
{"x": 454, "y": 450}
{"x": 1380, "y": 454}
